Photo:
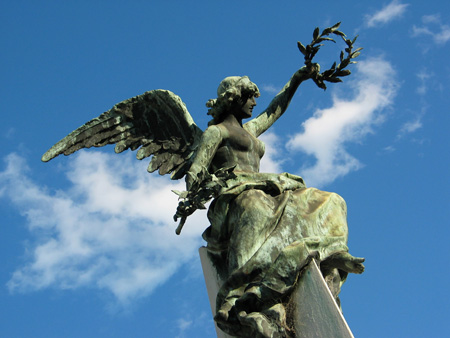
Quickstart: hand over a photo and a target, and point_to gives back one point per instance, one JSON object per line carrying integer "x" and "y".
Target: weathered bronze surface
{"x": 264, "y": 228}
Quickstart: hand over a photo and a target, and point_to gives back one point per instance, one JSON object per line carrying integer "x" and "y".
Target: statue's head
{"x": 233, "y": 91}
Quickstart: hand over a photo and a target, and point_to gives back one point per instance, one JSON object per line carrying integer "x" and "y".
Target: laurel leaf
{"x": 328, "y": 39}
{"x": 316, "y": 33}
{"x": 320, "y": 83}
{"x": 344, "y": 63}
{"x": 344, "y": 72}
{"x": 335, "y": 26}
{"x": 301, "y": 47}
{"x": 339, "y": 33}
{"x": 326, "y": 31}
{"x": 334, "y": 80}
{"x": 328, "y": 73}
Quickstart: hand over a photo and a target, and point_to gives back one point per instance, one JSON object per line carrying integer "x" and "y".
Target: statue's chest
{"x": 240, "y": 140}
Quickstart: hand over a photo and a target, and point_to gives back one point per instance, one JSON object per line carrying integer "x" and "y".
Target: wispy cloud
{"x": 183, "y": 325}
{"x": 434, "y": 28}
{"x": 348, "y": 120}
{"x": 111, "y": 229}
{"x": 9, "y": 133}
{"x": 271, "y": 89}
{"x": 415, "y": 123}
{"x": 193, "y": 324}
{"x": 389, "y": 149}
{"x": 393, "y": 10}
{"x": 410, "y": 127}
{"x": 424, "y": 75}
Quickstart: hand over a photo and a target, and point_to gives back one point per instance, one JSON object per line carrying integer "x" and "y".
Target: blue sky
{"x": 88, "y": 242}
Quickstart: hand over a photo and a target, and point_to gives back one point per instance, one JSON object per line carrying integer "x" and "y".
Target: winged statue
{"x": 264, "y": 228}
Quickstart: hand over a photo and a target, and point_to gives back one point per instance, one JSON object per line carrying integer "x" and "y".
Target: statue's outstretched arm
{"x": 281, "y": 101}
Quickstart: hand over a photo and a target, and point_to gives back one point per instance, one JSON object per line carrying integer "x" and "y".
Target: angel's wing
{"x": 156, "y": 121}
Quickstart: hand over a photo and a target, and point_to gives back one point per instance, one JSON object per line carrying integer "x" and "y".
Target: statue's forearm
{"x": 278, "y": 105}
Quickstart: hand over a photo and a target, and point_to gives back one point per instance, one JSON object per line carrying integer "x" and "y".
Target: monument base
{"x": 314, "y": 310}
{"x": 213, "y": 284}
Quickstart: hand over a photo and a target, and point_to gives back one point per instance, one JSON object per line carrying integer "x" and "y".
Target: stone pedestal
{"x": 315, "y": 312}
{"x": 213, "y": 284}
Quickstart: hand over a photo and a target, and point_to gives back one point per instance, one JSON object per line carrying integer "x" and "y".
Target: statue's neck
{"x": 232, "y": 120}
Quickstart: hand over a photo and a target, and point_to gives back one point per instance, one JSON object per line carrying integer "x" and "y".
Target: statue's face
{"x": 247, "y": 108}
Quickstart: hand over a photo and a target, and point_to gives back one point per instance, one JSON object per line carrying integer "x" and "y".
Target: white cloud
{"x": 193, "y": 324}
{"x": 410, "y": 127}
{"x": 388, "y": 13}
{"x": 440, "y": 34}
{"x": 327, "y": 132}
{"x": 389, "y": 149}
{"x": 9, "y": 133}
{"x": 112, "y": 229}
{"x": 432, "y": 18}
{"x": 271, "y": 162}
{"x": 271, "y": 89}
{"x": 423, "y": 77}
{"x": 414, "y": 124}
{"x": 183, "y": 325}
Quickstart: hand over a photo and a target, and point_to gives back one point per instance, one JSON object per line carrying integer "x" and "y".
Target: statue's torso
{"x": 238, "y": 148}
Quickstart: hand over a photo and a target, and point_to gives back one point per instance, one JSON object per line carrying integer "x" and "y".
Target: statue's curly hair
{"x": 232, "y": 89}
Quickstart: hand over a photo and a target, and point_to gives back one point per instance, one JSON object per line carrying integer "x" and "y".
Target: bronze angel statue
{"x": 264, "y": 227}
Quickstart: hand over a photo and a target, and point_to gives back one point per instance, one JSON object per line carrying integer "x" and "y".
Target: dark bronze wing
{"x": 157, "y": 122}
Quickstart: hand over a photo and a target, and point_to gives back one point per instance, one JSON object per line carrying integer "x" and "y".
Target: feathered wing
{"x": 157, "y": 122}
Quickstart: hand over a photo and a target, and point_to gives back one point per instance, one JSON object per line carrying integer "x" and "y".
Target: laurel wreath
{"x": 336, "y": 71}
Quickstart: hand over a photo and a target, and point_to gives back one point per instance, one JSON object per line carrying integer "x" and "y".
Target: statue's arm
{"x": 279, "y": 104}
{"x": 210, "y": 142}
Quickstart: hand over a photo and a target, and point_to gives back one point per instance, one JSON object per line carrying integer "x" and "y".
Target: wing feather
{"x": 156, "y": 122}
